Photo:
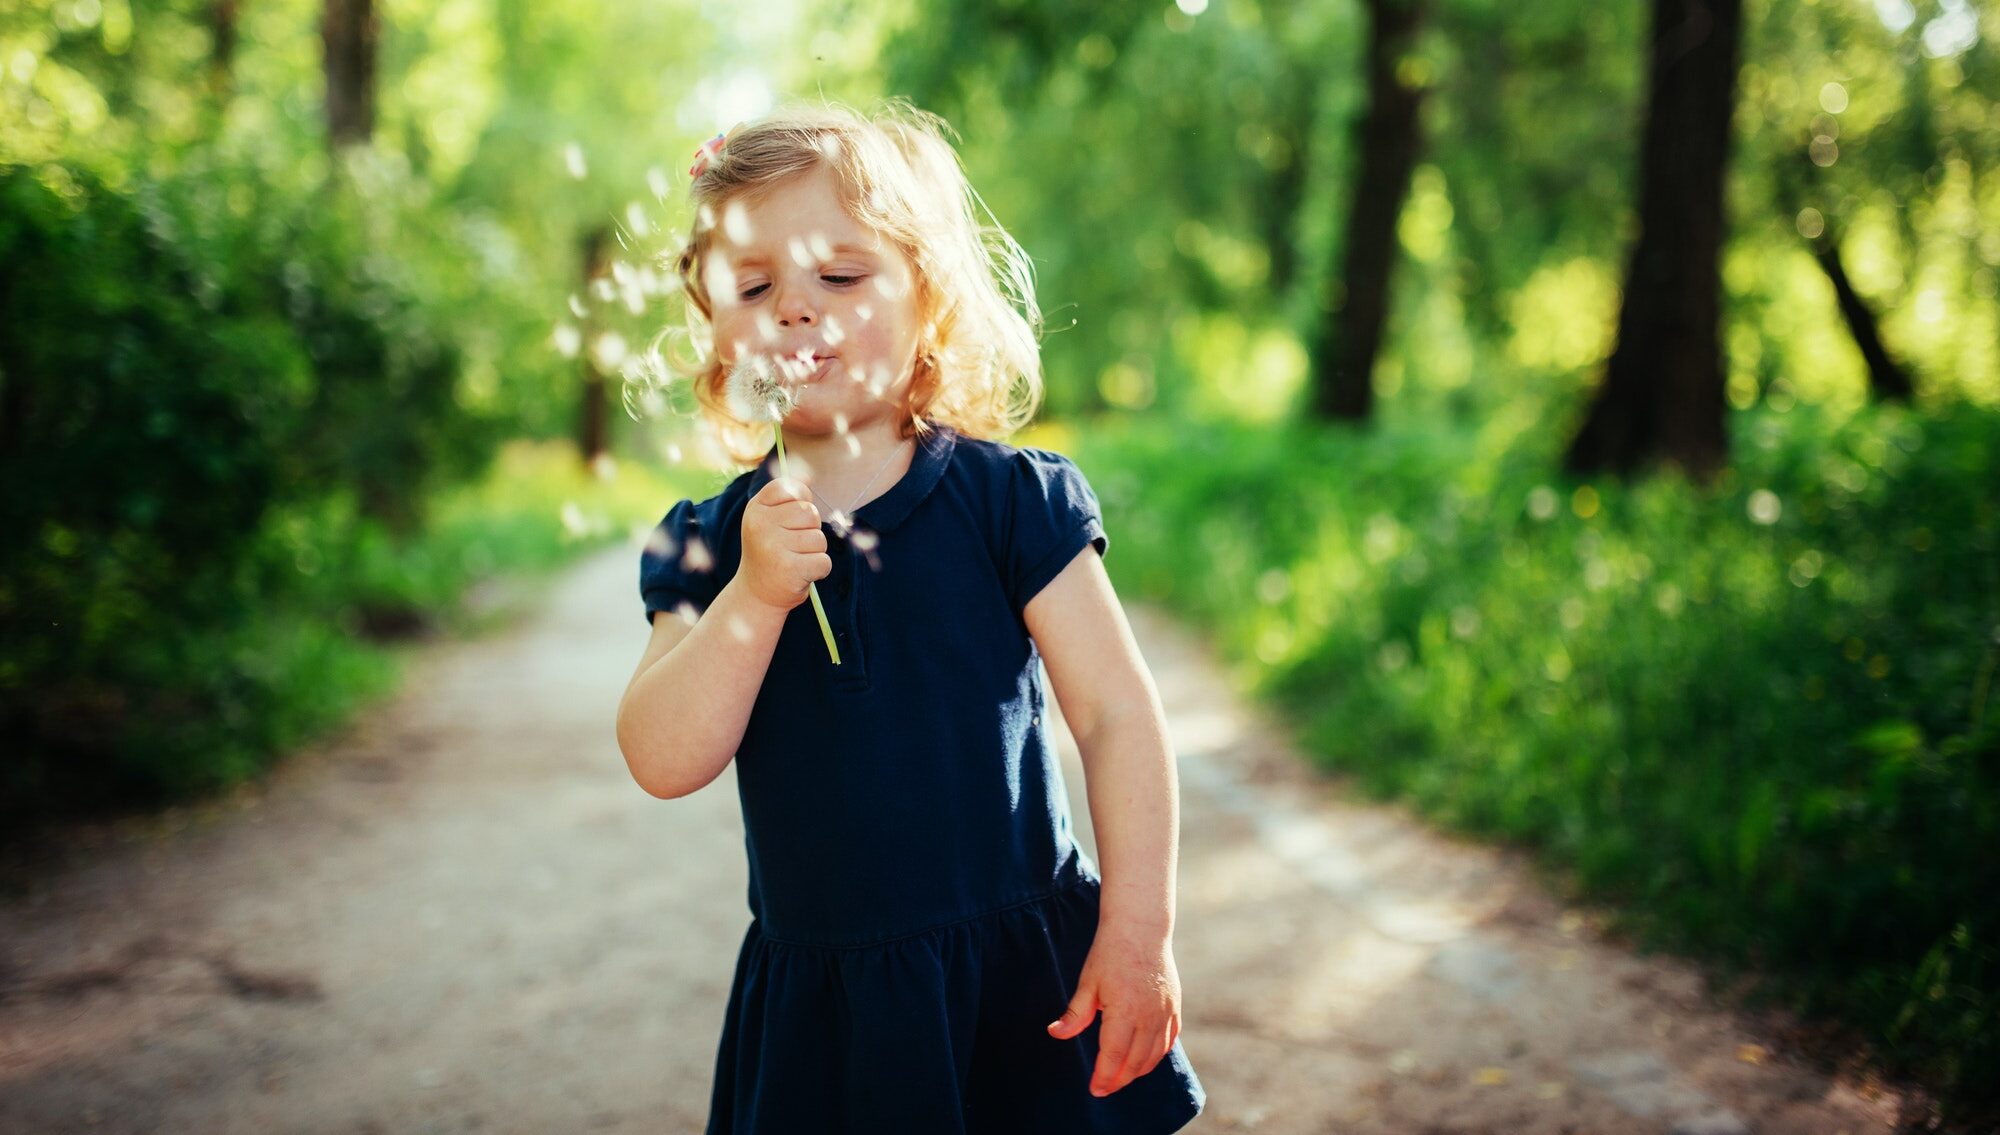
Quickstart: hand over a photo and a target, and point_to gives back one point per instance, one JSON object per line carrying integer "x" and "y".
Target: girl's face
{"x": 793, "y": 277}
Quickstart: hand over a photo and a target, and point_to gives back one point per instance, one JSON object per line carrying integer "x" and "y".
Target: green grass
{"x": 1757, "y": 717}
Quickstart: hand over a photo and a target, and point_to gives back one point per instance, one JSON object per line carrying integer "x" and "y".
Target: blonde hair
{"x": 978, "y": 366}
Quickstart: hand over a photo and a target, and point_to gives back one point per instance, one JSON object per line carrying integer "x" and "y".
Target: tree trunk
{"x": 593, "y": 418}
{"x": 1887, "y": 382}
{"x": 1662, "y": 395}
{"x": 222, "y": 47}
{"x": 349, "y": 30}
{"x": 1357, "y": 303}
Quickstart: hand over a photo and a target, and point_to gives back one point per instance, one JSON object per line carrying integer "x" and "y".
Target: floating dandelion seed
{"x": 608, "y": 350}
{"x": 636, "y": 219}
{"x": 656, "y": 180}
{"x": 820, "y": 247}
{"x": 576, "y": 307}
{"x": 573, "y": 157}
{"x": 696, "y": 557}
{"x": 659, "y": 544}
{"x": 719, "y": 278}
{"x": 736, "y": 223}
{"x": 567, "y": 339}
{"x": 801, "y": 255}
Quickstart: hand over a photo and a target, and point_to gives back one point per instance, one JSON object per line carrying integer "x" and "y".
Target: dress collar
{"x": 885, "y": 512}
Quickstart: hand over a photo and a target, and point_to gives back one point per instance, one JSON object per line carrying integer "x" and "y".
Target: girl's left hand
{"x": 1131, "y": 976}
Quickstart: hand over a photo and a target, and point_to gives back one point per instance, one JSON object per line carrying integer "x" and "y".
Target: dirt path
{"x": 463, "y": 916}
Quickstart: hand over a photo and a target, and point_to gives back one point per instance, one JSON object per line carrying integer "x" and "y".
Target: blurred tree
{"x": 1349, "y": 333}
{"x": 349, "y": 32}
{"x": 593, "y": 425}
{"x": 222, "y": 33}
{"x": 1887, "y": 380}
{"x": 1662, "y": 394}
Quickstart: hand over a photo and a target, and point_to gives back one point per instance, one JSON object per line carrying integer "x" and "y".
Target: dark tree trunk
{"x": 222, "y": 53}
{"x": 1357, "y": 304}
{"x": 1662, "y": 395}
{"x": 593, "y": 418}
{"x": 349, "y": 30}
{"x": 1886, "y": 381}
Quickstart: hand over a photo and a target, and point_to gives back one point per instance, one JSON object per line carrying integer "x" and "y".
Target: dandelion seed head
{"x": 756, "y": 392}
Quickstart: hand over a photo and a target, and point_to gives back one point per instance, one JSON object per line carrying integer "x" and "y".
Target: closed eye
{"x": 838, "y": 281}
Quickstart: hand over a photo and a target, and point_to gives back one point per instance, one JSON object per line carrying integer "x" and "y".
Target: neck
{"x": 838, "y": 469}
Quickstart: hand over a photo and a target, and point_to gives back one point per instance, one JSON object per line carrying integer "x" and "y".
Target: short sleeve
{"x": 1053, "y": 514}
{"x": 678, "y": 564}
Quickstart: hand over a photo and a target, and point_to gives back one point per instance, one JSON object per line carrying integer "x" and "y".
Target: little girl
{"x": 929, "y": 950}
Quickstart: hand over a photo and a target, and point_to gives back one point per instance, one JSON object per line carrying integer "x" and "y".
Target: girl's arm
{"x": 1112, "y": 708}
{"x": 684, "y": 713}
{"x": 1108, "y": 698}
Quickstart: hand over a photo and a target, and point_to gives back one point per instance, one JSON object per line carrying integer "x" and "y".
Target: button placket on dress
{"x": 843, "y": 613}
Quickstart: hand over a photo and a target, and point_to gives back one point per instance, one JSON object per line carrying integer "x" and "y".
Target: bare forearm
{"x": 682, "y": 719}
{"x": 1135, "y": 811}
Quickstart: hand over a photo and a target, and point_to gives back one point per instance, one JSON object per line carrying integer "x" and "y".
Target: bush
{"x": 1756, "y": 713}
{"x": 165, "y": 390}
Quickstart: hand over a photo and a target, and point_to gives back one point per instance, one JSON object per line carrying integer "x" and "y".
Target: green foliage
{"x": 1759, "y": 714}
{"x": 304, "y": 631}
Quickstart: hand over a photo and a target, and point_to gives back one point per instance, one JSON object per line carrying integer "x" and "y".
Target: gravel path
{"x": 463, "y": 916}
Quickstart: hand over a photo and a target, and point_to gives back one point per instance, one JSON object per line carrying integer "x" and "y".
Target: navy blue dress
{"x": 920, "y": 911}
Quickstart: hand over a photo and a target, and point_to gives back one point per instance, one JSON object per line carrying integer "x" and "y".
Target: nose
{"x": 795, "y": 307}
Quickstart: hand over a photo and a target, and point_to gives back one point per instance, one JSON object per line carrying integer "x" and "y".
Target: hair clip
{"x": 704, "y": 152}
{"x": 710, "y": 150}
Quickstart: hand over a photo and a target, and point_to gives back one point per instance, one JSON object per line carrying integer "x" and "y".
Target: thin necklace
{"x": 843, "y": 520}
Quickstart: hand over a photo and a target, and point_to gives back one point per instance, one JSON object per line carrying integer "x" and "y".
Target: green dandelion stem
{"x": 825, "y": 628}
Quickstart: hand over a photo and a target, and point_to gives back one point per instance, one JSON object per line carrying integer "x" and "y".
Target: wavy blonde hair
{"x": 978, "y": 366}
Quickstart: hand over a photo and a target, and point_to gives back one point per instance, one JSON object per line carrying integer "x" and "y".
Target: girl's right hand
{"x": 783, "y": 547}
